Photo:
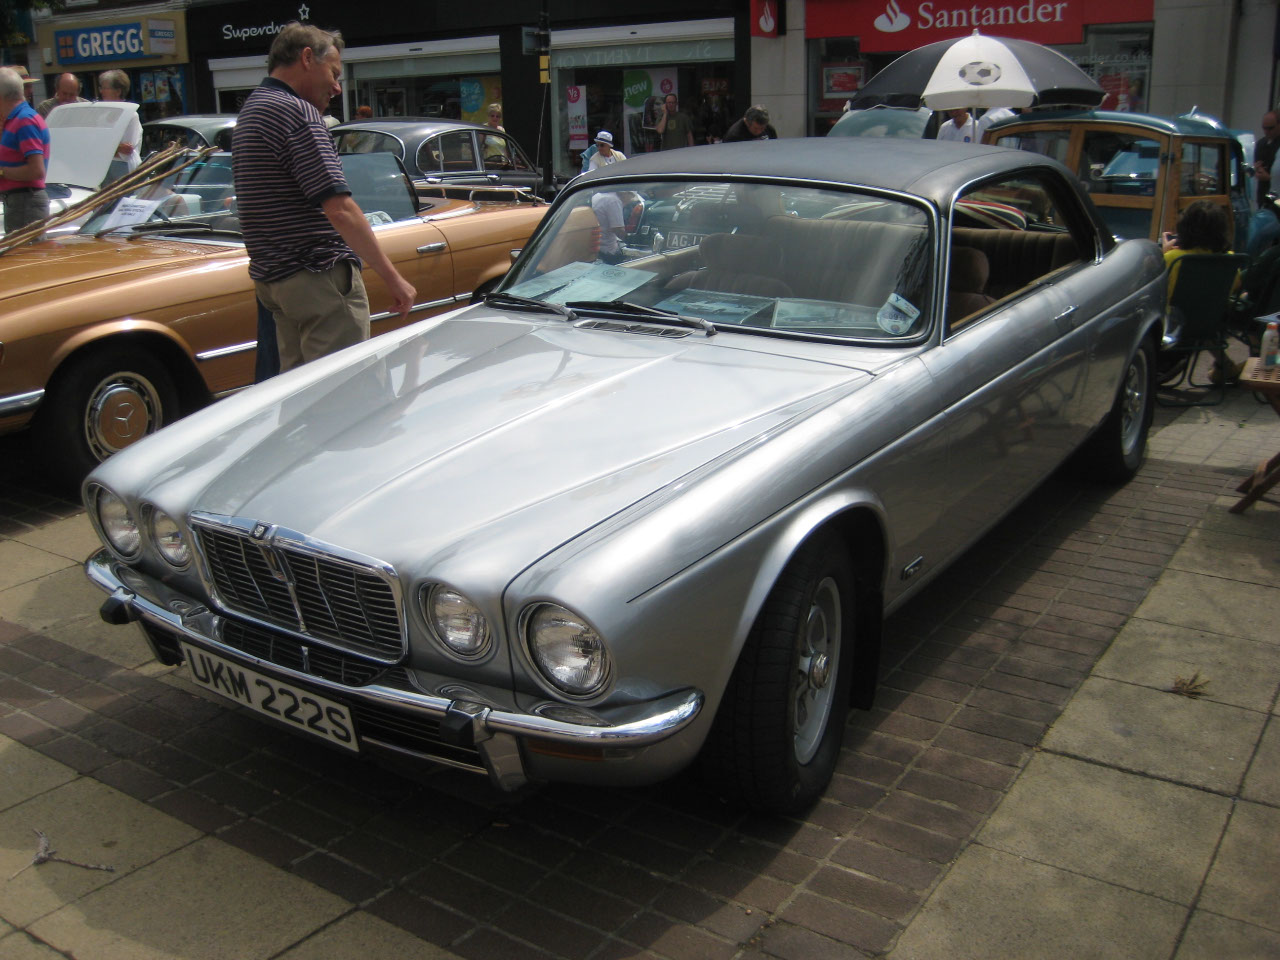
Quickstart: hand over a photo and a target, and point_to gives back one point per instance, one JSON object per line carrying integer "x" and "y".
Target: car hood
{"x": 83, "y": 138}
{"x": 52, "y": 263}
{"x": 490, "y": 427}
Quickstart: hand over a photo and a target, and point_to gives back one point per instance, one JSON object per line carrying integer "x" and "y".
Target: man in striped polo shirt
{"x": 305, "y": 234}
{"x": 24, "y": 151}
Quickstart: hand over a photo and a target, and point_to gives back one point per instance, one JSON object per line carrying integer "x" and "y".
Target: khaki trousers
{"x": 317, "y": 313}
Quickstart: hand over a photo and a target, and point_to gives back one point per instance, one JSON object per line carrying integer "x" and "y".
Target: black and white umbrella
{"x": 980, "y": 71}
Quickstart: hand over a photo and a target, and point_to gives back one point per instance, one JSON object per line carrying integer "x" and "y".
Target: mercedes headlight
{"x": 117, "y": 524}
{"x": 567, "y": 649}
{"x": 168, "y": 538}
{"x": 457, "y": 622}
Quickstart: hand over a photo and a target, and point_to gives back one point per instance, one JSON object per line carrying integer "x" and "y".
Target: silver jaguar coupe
{"x": 648, "y": 504}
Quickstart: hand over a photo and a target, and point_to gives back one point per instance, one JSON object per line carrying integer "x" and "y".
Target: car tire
{"x": 98, "y": 404}
{"x": 1116, "y": 452}
{"x": 776, "y": 737}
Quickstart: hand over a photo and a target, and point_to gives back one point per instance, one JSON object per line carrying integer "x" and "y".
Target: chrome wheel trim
{"x": 122, "y": 409}
{"x": 1133, "y": 403}
{"x": 817, "y": 667}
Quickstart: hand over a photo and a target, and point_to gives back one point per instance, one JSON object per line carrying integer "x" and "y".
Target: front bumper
{"x": 393, "y": 712}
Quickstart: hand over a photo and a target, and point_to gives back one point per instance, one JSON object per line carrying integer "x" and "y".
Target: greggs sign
{"x": 893, "y": 25}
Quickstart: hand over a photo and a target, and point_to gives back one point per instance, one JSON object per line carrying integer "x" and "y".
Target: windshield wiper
{"x": 528, "y": 303}
{"x": 649, "y": 313}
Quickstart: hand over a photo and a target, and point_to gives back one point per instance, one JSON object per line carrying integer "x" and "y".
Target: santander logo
{"x": 767, "y": 23}
{"x": 893, "y": 19}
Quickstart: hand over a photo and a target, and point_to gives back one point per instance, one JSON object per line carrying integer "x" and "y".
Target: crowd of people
{"x": 25, "y": 144}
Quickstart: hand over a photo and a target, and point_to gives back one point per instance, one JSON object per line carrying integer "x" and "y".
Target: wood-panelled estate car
{"x": 1140, "y": 170}
{"x": 149, "y": 311}
{"x": 648, "y": 505}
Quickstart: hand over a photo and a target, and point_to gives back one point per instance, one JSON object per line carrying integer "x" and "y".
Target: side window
{"x": 496, "y": 152}
{"x": 430, "y": 159}
{"x": 1119, "y": 163}
{"x": 458, "y": 152}
{"x": 1049, "y": 143}
{"x": 1202, "y": 167}
{"x": 1005, "y": 236}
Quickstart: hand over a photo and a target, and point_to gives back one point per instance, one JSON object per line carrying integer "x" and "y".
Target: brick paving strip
{"x": 975, "y": 670}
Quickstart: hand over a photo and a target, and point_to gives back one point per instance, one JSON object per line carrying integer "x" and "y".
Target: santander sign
{"x": 886, "y": 26}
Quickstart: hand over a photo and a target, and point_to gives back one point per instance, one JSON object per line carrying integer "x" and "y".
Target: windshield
{"x": 200, "y": 194}
{"x": 883, "y": 122}
{"x": 803, "y": 261}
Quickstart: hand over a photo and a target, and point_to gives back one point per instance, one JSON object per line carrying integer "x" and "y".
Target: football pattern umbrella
{"x": 980, "y": 71}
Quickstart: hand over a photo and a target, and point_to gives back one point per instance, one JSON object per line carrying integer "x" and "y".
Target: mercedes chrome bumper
{"x": 493, "y": 733}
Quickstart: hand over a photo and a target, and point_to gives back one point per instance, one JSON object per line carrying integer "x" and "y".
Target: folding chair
{"x": 1197, "y": 322}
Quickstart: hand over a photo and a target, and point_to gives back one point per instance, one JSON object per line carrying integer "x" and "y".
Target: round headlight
{"x": 168, "y": 538}
{"x": 118, "y": 525}
{"x": 567, "y": 650}
{"x": 457, "y": 622}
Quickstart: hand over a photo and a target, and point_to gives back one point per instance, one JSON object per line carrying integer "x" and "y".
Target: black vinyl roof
{"x": 926, "y": 168}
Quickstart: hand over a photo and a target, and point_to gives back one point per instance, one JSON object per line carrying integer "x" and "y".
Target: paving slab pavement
{"x": 1026, "y": 787}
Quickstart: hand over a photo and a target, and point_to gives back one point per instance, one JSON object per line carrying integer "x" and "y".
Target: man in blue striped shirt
{"x": 305, "y": 234}
{"x": 24, "y": 154}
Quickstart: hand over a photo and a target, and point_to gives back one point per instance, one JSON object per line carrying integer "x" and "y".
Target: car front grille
{"x": 328, "y": 598}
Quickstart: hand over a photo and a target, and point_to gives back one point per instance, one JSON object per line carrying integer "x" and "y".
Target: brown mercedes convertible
{"x": 148, "y": 313}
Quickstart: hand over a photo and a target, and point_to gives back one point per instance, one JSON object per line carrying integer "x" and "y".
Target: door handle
{"x": 432, "y": 247}
{"x": 1064, "y": 319}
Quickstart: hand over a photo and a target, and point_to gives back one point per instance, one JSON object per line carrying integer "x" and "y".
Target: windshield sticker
{"x": 583, "y": 281}
{"x": 130, "y": 210}
{"x": 802, "y": 314}
{"x": 897, "y": 315}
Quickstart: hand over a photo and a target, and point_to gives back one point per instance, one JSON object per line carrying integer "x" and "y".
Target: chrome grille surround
{"x": 315, "y": 590}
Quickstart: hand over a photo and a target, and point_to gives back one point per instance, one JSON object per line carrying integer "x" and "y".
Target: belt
{"x": 22, "y": 190}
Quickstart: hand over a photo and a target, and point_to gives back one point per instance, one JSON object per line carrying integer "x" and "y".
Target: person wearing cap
{"x": 66, "y": 89}
{"x": 605, "y": 154}
{"x": 24, "y": 155}
{"x": 27, "y": 79}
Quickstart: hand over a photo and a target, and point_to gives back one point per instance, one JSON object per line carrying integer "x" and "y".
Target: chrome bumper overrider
{"x": 491, "y": 732}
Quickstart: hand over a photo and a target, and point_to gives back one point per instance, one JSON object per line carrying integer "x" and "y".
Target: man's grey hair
{"x": 10, "y": 85}
{"x": 757, "y": 114}
{"x": 116, "y": 80}
{"x": 295, "y": 37}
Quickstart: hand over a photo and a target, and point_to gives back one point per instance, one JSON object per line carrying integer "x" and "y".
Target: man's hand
{"x": 125, "y": 147}
{"x": 348, "y": 219}
{"x": 402, "y": 293}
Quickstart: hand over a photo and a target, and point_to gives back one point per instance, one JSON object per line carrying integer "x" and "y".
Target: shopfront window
{"x": 837, "y": 70}
{"x": 458, "y": 87}
{"x": 160, "y": 92}
{"x": 1120, "y": 60}
{"x": 621, "y": 88}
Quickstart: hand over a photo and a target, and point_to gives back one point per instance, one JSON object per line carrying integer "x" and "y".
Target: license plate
{"x": 677, "y": 241}
{"x": 308, "y": 711}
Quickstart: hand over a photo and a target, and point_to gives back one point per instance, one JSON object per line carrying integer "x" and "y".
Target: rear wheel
{"x": 776, "y": 737}
{"x": 100, "y": 403}
{"x": 1118, "y": 449}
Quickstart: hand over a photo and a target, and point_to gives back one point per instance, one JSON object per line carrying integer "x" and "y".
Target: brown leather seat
{"x": 966, "y": 289}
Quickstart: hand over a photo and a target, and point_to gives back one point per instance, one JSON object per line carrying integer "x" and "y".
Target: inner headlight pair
{"x": 125, "y": 536}
{"x": 567, "y": 650}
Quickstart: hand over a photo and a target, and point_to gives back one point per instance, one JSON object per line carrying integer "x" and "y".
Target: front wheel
{"x": 1116, "y": 452}
{"x": 100, "y": 403}
{"x": 775, "y": 740}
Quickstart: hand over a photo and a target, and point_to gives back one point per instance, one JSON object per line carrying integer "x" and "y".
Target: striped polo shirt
{"x": 285, "y": 165}
{"x": 24, "y": 134}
